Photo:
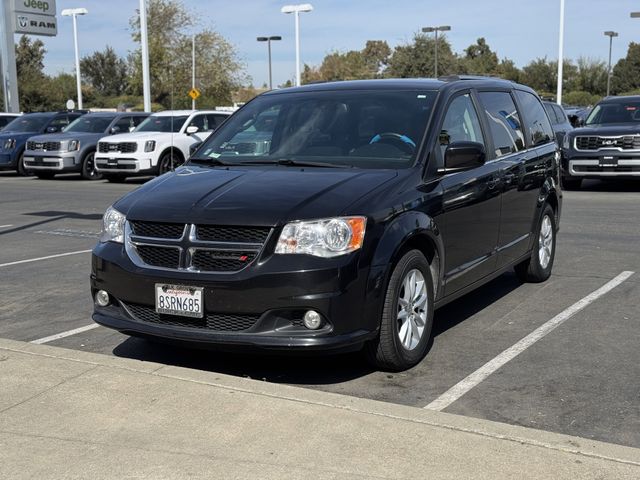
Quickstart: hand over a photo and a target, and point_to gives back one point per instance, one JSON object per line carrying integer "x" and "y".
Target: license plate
{"x": 179, "y": 300}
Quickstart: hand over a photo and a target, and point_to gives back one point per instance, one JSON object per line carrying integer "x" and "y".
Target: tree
{"x": 376, "y": 55}
{"x": 32, "y": 82}
{"x": 591, "y": 76}
{"x": 218, "y": 69}
{"x": 417, "y": 59}
{"x": 105, "y": 72}
{"x": 626, "y": 73}
{"x": 542, "y": 76}
{"x": 479, "y": 59}
{"x": 508, "y": 70}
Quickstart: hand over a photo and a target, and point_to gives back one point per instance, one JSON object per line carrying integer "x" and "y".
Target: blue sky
{"x": 518, "y": 29}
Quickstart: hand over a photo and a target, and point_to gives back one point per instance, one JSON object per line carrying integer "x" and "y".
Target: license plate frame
{"x": 188, "y": 301}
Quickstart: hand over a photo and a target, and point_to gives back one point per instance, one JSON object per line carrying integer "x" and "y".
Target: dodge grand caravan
{"x": 360, "y": 209}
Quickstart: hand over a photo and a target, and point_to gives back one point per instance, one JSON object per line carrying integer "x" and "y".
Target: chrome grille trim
{"x": 188, "y": 245}
{"x": 594, "y": 143}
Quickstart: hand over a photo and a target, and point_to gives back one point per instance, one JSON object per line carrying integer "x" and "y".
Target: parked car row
{"x": 103, "y": 144}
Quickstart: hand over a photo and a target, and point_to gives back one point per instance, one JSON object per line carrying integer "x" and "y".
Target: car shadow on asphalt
{"x": 52, "y": 216}
{"x": 306, "y": 369}
{"x": 622, "y": 186}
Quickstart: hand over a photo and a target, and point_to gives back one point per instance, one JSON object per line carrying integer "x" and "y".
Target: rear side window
{"x": 562, "y": 117}
{"x": 504, "y": 122}
{"x": 552, "y": 113}
{"x": 215, "y": 120}
{"x": 539, "y": 128}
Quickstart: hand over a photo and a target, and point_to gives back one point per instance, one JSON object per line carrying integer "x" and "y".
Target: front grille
{"x": 167, "y": 257}
{"x": 123, "y": 147}
{"x": 211, "y": 233}
{"x": 221, "y": 261}
{"x": 43, "y": 146}
{"x": 221, "y": 322}
{"x": 203, "y": 248}
{"x": 627, "y": 142}
{"x": 158, "y": 230}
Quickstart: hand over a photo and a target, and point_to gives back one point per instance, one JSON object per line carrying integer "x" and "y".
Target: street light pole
{"x": 269, "y": 40}
{"x": 144, "y": 45}
{"x": 443, "y": 28}
{"x": 73, "y": 13}
{"x": 560, "y": 55}
{"x": 609, "y": 34}
{"x": 193, "y": 69}
{"x": 296, "y": 10}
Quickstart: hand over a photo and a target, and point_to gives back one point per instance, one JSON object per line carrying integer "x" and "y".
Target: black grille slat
{"x": 157, "y": 229}
{"x": 123, "y": 147}
{"x": 627, "y": 142}
{"x": 222, "y": 322}
{"x": 221, "y": 261}
{"x": 43, "y": 146}
{"x": 213, "y": 233}
{"x": 167, "y": 257}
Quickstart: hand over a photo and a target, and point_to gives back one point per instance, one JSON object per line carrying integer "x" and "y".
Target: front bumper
{"x": 601, "y": 165}
{"x": 52, "y": 161}
{"x": 261, "y": 306}
{"x": 132, "y": 163}
{"x": 7, "y": 161}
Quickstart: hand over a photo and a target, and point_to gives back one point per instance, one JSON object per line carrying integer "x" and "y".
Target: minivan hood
{"x": 251, "y": 196}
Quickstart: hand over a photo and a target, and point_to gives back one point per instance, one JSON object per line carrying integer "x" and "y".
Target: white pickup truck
{"x": 159, "y": 144}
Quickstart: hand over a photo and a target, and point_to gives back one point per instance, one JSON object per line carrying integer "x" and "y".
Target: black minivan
{"x": 336, "y": 216}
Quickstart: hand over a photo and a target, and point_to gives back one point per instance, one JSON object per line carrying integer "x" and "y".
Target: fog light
{"x": 102, "y": 298}
{"x": 312, "y": 320}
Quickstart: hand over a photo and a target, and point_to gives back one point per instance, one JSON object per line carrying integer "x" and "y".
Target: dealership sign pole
{"x": 32, "y": 17}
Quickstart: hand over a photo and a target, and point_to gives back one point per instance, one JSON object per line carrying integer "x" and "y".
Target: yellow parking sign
{"x": 194, "y": 93}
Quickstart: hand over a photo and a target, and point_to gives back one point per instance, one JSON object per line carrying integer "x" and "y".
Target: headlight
{"x": 74, "y": 145}
{"x": 150, "y": 146}
{"x": 565, "y": 142}
{"x": 328, "y": 237}
{"x": 112, "y": 226}
{"x": 9, "y": 143}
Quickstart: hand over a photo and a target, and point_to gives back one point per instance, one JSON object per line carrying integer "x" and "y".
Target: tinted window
{"x": 364, "y": 129}
{"x": 59, "y": 123}
{"x": 539, "y": 128}
{"x": 89, "y": 124}
{"x": 460, "y": 123}
{"x": 215, "y": 120}
{"x": 552, "y": 113}
{"x": 28, "y": 123}
{"x": 124, "y": 124}
{"x": 504, "y": 122}
{"x": 615, "y": 112}
{"x": 138, "y": 119}
{"x": 562, "y": 117}
{"x": 162, "y": 123}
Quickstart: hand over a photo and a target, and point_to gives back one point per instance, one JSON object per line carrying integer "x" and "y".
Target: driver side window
{"x": 461, "y": 124}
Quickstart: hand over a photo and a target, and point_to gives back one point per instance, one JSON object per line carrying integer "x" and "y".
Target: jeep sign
{"x": 35, "y": 24}
{"x": 39, "y": 7}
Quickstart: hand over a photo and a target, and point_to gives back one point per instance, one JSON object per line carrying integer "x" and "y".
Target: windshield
{"x": 89, "y": 124}
{"x": 28, "y": 123}
{"x": 162, "y": 123}
{"x": 348, "y": 128}
{"x": 618, "y": 112}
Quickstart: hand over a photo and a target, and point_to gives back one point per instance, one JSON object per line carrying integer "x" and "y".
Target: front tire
{"x": 407, "y": 316}
{"x": 537, "y": 268}
{"x": 168, "y": 163}
{"x": 89, "y": 171}
{"x": 21, "y": 168}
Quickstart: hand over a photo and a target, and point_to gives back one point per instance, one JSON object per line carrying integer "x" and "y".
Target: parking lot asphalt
{"x": 579, "y": 379}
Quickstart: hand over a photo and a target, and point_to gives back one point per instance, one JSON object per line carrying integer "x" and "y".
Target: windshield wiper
{"x": 289, "y": 162}
{"x": 210, "y": 161}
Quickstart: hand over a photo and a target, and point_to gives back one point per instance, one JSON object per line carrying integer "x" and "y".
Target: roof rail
{"x": 454, "y": 78}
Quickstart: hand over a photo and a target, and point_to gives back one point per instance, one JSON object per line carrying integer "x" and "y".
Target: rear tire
{"x": 45, "y": 175}
{"x": 113, "y": 178}
{"x": 571, "y": 183}
{"x": 407, "y": 316}
{"x": 537, "y": 268}
{"x": 168, "y": 162}
{"x": 89, "y": 171}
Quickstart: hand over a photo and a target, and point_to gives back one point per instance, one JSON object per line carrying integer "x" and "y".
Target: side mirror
{"x": 464, "y": 156}
{"x": 114, "y": 130}
{"x": 191, "y": 129}
{"x": 52, "y": 129}
{"x": 194, "y": 147}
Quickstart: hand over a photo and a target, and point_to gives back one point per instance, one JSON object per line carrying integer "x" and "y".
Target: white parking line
{"x": 5, "y": 226}
{"x": 68, "y": 333}
{"x": 43, "y": 258}
{"x": 462, "y": 387}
